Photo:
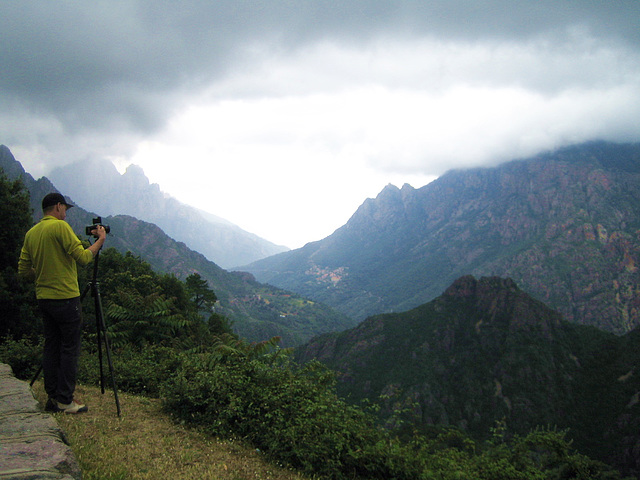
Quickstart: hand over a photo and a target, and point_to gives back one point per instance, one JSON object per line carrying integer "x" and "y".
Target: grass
{"x": 144, "y": 443}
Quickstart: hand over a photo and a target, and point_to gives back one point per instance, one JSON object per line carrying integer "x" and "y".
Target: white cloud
{"x": 267, "y": 166}
{"x": 285, "y": 129}
{"x": 289, "y": 149}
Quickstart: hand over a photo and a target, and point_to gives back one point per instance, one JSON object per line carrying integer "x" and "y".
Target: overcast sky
{"x": 283, "y": 116}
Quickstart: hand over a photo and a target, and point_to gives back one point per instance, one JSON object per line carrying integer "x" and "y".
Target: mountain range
{"x": 554, "y": 241}
{"x": 485, "y": 353}
{"x": 99, "y": 187}
{"x": 258, "y": 311}
{"x": 564, "y": 225}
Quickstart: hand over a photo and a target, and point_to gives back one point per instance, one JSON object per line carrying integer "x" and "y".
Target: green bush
{"x": 289, "y": 413}
{"x": 136, "y": 370}
{"x": 542, "y": 454}
{"x": 294, "y": 415}
{"x": 24, "y": 356}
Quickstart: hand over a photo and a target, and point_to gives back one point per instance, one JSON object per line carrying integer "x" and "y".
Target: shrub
{"x": 293, "y": 414}
{"x": 136, "y": 370}
{"x": 24, "y": 356}
{"x": 290, "y": 413}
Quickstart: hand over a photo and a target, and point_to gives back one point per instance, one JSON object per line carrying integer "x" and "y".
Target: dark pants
{"x": 62, "y": 335}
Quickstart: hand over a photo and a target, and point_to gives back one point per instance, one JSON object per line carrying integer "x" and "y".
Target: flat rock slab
{"x": 32, "y": 445}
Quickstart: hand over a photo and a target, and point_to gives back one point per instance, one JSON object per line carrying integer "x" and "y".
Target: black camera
{"x": 96, "y": 222}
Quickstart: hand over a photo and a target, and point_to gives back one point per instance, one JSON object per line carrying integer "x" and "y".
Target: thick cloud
{"x": 396, "y": 88}
{"x": 127, "y": 65}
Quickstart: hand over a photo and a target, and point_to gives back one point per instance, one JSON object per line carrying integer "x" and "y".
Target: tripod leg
{"x": 98, "y": 307}
{"x": 102, "y": 330}
{"x": 35, "y": 377}
{"x": 85, "y": 291}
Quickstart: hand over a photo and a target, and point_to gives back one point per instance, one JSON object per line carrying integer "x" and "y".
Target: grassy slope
{"x": 145, "y": 444}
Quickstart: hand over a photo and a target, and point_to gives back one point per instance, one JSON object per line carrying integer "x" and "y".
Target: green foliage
{"x": 142, "y": 320}
{"x": 292, "y": 414}
{"x": 144, "y": 307}
{"x": 15, "y": 212}
{"x": 219, "y": 324}
{"x": 469, "y": 360}
{"x": 23, "y": 355}
{"x": 543, "y": 454}
{"x": 253, "y": 392}
{"x": 138, "y": 370}
{"x": 268, "y": 351}
{"x": 18, "y": 306}
{"x": 201, "y": 295}
{"x": 129, "y": 273}
{"x": 17, "y": 298}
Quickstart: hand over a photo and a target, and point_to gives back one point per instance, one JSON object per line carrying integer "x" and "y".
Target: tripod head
{"x": 97, "y": 222}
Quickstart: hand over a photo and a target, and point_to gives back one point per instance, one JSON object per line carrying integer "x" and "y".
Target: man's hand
{"x": 101, "y": 233}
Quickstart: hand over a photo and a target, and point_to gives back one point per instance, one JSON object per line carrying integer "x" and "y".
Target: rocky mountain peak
{"x": 99, "y": 187}
{"x": 563, "y": 225}
{"x": 497, "y": 300}
{"x": 469, "y": 287}
{"x": 386, "y": 209}
{"x": 136, "y": 175}
{"x": 8, "y": 163}
{"x": 389, "y": 190}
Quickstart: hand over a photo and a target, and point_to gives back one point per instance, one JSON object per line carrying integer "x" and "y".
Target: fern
{"x": 141, "y": 320}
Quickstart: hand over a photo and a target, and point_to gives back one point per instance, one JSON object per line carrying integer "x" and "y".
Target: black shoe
{"x": 52, "y": 406}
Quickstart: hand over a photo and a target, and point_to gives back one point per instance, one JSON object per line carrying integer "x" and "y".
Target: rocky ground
{"x": 32, "y": 445}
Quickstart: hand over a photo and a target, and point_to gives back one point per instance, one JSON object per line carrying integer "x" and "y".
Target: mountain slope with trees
{"x": 485, "y": 353}
{"x": 232, "y": 389}
{"x": 257, "y": 311}
{"x": 564, "y": 225}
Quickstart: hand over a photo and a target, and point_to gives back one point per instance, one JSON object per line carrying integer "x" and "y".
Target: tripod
{"x": 101, "y": 331}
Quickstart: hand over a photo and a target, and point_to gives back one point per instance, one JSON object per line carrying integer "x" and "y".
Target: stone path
{"x": 32, "y": 445}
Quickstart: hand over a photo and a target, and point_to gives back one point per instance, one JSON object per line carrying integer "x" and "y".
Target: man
{"x": 49, "y": 255}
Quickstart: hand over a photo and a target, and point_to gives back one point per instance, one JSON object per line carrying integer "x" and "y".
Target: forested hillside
{"x": 164, "y": 345}
{"x": 257, "y": 311}
{"x": 486, "y": 353}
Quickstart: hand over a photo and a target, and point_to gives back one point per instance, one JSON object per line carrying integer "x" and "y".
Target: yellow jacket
{"x": 51, "y": 249}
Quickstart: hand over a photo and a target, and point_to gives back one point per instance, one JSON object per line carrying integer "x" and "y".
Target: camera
{"x": 96, "y": 222}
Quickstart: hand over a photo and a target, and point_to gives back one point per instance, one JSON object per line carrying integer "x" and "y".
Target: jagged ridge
{"x": 258, "y": 311}
{"x": 564, "y": 225}
{"x": 98, "y": 186}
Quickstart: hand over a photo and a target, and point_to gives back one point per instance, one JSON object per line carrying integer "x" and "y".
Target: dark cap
{"x": 52, "y": 199}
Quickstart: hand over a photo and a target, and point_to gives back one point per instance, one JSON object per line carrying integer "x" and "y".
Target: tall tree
{"x": 17, "y": 218}
{"x": 17, "y": 299}
{"x": 201, "y": 295}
